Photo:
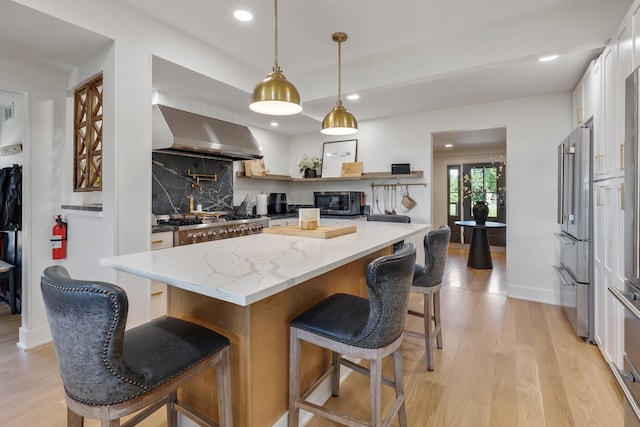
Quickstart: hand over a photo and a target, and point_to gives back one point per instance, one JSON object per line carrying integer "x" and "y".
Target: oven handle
{"x": 565, "y": 240}
{"x": 625, "y": 299}
{"x": 564, "y": 281}
{"x": 621, "y": 377}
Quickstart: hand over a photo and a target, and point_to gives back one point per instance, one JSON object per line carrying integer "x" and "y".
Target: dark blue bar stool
{"x": 362, "y": 328}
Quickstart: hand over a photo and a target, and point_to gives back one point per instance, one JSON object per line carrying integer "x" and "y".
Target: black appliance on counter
{"x": 339, "y": 202}
{"x": 277, "y": 203}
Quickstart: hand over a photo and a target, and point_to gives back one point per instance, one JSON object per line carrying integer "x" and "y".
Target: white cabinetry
{"x": 608, "y": 270}
{"x": 158, "y": 304}
{"x": 605, "y": 145}
{"x": 583, "y": 97}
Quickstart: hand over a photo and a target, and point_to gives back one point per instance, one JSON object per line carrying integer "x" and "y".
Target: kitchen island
{"x": 249, "y": 288}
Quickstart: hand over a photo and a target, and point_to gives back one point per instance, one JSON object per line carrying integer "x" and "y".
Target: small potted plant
{"x": 309, "y": 165}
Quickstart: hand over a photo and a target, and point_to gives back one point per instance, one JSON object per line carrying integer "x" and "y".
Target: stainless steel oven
{"x": 190, "y": 231}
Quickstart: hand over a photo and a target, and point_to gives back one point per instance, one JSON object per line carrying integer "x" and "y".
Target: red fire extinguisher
{"x": 59, "y": 238}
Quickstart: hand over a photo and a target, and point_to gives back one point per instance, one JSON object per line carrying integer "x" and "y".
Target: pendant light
{"x": 275, "y": 95}
{"x": 339, "y": 121}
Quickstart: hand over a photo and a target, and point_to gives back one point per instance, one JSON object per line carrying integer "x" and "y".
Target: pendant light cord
{"x": 276, "y": 67}
{"x": 339, "y": 73}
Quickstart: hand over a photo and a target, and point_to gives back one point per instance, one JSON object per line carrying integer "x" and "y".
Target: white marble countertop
{"x": 246, "y": 269}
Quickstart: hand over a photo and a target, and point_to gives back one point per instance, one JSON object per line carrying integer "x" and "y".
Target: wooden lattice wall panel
{"x": 88, "y": 136}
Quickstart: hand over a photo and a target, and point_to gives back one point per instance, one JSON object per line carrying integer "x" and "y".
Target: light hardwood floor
{"x": 505, "y": 362}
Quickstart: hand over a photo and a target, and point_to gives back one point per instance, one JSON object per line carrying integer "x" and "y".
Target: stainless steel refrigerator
{"x": 575, "y": 217}
{"x": 628, "y": 376}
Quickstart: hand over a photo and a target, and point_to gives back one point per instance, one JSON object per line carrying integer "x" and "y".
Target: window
{"x": 481, "y": 184}
{"x": 454, "y": 190}
{"x": 87, "y": 140}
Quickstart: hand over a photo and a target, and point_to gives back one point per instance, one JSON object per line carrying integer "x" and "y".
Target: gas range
{"x": 223, "y": 228}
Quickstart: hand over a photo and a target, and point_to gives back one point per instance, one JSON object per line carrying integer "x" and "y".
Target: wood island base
{"x": 259, "y": 335}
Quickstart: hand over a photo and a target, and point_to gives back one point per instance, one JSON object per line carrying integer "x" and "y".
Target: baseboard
{"x": 32, "y": 338}
{"x": 547, "y": 296}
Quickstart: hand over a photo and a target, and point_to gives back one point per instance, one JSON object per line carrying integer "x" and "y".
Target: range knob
{"x": 212, "y": 235}
{"x": 223, "y": 233}
{"x": 202, "y": 236}
{"x": 191, "y": 237}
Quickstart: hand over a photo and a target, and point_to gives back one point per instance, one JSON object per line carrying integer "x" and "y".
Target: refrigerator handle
{"x": 625, "y": 299}
{"x": 561, "y": 276}
{"x": 620, "y": 379}
{"x": 560, "y": 209}
{"x": 565, "y": 240}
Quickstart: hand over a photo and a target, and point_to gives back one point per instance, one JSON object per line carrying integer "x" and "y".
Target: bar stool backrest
{"x": 389, "y": 281}
{"x": 87, "y": 321}
{"x": 436, "y": 244}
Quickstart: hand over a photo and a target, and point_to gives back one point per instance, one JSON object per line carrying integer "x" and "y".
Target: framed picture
{"x": 334, "y": 154}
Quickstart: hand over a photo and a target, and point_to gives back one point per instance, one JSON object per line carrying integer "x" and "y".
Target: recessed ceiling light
{"x": 353, "y": 97}
{"x": 243, "y": 15}
{"x": 274, "y": 124}
{"x": 448, "y": 145}
{"x": 548, "y": 58}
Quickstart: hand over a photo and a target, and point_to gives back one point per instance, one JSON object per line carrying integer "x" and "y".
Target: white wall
{"x": 534, "y": 128}
{"x": 43, "y": 143}
{"x": 12, "y": 131}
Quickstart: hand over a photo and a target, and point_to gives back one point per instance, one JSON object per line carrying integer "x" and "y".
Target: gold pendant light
{"x": 339, "y": 121}
{"x": 275, "y": 95}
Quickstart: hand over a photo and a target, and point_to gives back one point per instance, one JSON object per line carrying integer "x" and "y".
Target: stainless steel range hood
{"x": 180, "y": 130}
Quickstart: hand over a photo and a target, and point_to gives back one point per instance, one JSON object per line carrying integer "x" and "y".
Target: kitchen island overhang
{"x": 249, "y": 289}
{"x": 250, "y": 268}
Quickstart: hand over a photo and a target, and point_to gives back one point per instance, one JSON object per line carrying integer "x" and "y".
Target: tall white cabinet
{"x": 608, "y": 74}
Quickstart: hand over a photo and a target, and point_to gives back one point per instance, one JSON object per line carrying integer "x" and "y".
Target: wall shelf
{"x": 368, "y": 176}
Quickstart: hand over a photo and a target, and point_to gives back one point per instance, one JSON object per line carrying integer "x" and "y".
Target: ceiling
{"x": 400, "y": 57}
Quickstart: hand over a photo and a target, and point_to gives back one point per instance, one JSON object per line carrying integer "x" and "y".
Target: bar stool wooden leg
{"x": 172, "y": 413}
{"x": 427, "y": 331}
{"x": 399, "y": 386}
{"x": 223, "y": 384}
{"x": 295, "y": 354}
{"x": 375, "y": 378}
{"x": 436, "y": 317}
{"x": 335, "y": 376}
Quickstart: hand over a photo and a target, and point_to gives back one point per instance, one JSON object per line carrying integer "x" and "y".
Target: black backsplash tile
{"x": 171, "y": 185}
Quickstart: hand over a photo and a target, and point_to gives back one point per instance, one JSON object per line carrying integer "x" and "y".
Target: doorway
{"x": 470, "y": 165}
{"x": 12, "y": 136}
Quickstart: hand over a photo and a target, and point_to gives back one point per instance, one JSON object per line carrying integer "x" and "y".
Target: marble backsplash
{"x": 171, "y": 185}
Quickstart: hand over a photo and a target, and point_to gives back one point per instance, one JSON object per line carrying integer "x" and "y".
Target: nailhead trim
{"x": 105, "y": 348}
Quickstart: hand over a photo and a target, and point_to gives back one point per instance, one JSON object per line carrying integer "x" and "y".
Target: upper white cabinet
{"x": 605, "y": 146}
{"x": 583, "y": 97}
{"x": 624, "y": 42}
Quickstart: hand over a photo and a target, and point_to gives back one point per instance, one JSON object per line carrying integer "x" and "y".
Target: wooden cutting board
{"x": 322, "y": 232}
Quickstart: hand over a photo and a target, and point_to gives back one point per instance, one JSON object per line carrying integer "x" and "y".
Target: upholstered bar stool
{"x": 391, "y": 218}
{"x": 427, "y": 280}
{"x": 109, "y": 373}
{"x": 361, "y": 328}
